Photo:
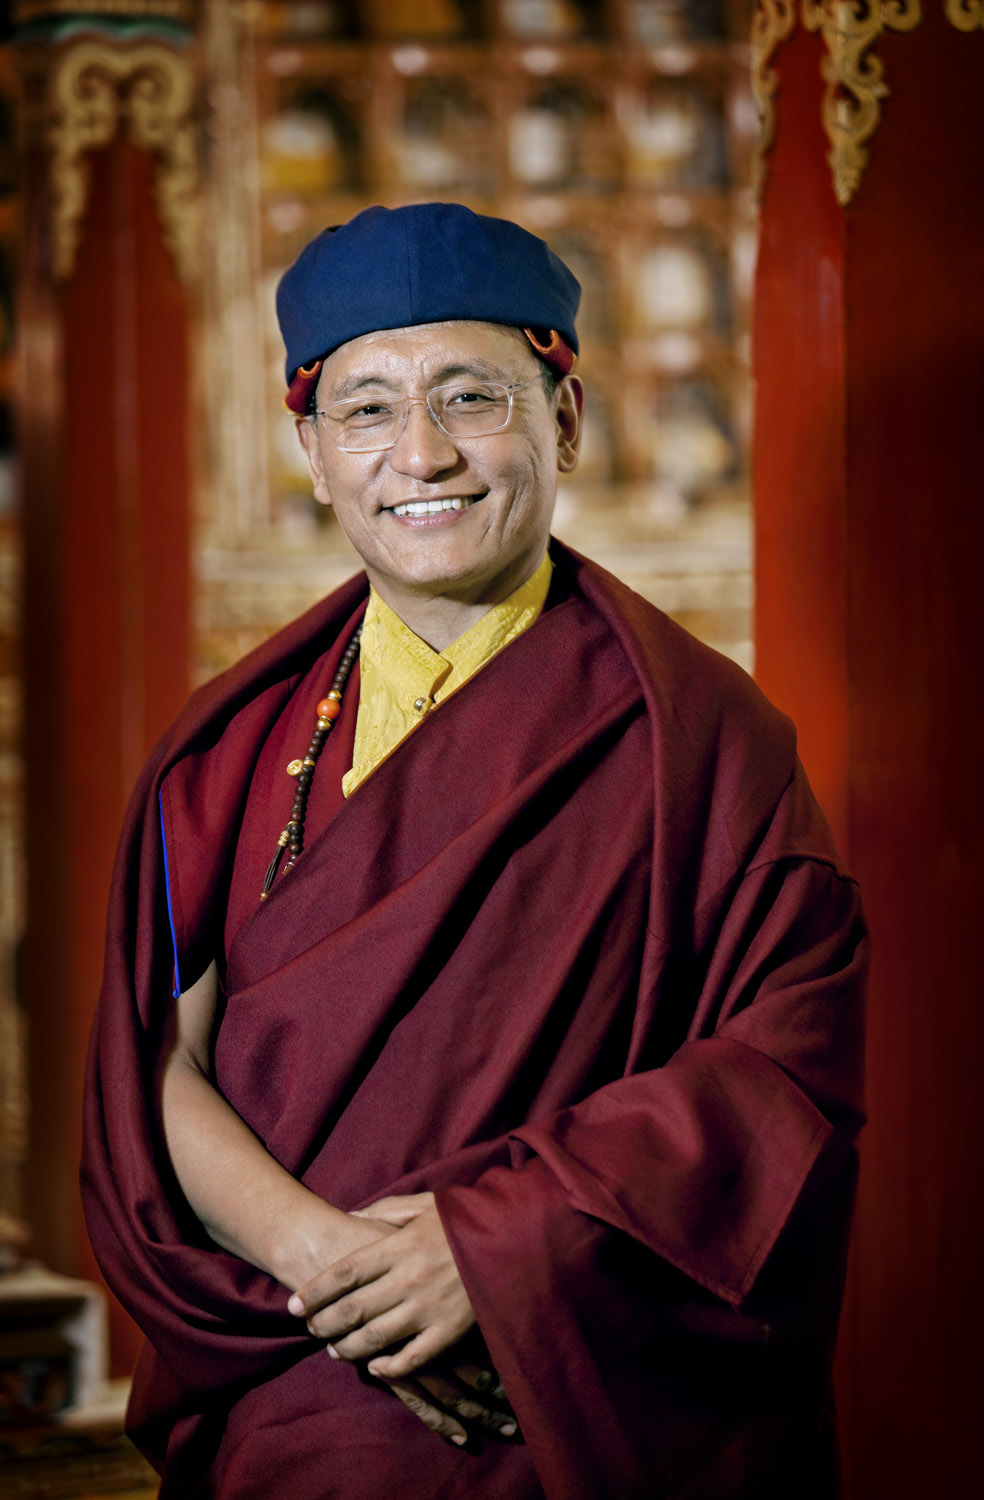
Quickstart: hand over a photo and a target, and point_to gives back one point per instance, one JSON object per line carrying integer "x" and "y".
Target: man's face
{"x": 481, "y": 552}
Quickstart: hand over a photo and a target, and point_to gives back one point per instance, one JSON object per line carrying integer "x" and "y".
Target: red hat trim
{"x": 298, "y": 397}
{"x": 555, "y": 352}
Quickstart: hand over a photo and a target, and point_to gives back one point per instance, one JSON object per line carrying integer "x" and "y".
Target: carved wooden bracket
{"x": 772, "y": 23}
{"x": 96, "y": 89}
{"x": 854, "y": 77}
{"x": 853, "y": 73}
{"x": 965, "y": 15}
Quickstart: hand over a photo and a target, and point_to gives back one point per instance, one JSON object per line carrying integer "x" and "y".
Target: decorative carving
{"x": 965, "y": 15}
{"x": 854, "y": 76}
{"x": 94, "y": 89}
{"x": 773, "y": 23}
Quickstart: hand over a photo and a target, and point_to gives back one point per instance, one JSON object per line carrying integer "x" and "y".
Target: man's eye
{"x": 365, "y": 413}
{"x": 472, "y": 396}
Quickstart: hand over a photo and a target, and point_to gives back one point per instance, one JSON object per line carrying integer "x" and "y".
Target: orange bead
{"x": 328, "y": 708}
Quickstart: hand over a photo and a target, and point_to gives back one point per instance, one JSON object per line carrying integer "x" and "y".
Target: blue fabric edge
{"x": 176, "y": 991}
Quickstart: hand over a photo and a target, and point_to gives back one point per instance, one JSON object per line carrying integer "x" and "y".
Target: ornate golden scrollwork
{"x": 854, "y": 76}
{"x": 965, "y": 15}
{"x": 94, "y": 89}
{"x": 773, "y": 23}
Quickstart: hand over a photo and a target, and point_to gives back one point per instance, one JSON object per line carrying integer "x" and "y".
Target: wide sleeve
{"x": 707, "y": 1196}
{"x": 704, "y": 1158}
{"x": 206, "y": 1312}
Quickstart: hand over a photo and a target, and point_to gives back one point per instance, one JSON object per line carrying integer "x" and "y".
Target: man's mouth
{"x": 434, "y": 507}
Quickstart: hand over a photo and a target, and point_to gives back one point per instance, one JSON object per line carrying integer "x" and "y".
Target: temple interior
{"x": 777, "y": 217}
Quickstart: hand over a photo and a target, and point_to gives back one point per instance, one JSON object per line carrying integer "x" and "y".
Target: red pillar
{"x": 870, "y": 542}
{"x": 104, "y": 437}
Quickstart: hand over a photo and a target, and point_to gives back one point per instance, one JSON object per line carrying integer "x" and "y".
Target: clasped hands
{"x": 398, "y": 1302}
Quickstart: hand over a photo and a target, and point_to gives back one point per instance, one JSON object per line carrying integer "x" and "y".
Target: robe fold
{"x": 579, "y": 957}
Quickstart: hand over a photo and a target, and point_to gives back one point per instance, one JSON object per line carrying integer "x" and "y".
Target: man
{"x": 513, "y": 1070}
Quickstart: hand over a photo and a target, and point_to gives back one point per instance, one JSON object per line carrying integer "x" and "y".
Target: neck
{"x": 439, "y": 619}
{"x": 436, "y": 625}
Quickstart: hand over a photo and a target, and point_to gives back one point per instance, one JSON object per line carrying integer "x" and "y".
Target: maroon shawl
{"x": 581, "y": 958}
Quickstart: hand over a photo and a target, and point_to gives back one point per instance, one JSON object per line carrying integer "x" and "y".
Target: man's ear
{"x": 308, "y": 438}
{"x": 569, "y": 415}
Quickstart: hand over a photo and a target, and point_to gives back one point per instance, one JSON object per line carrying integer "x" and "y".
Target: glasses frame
{"x": 406, "y": 402}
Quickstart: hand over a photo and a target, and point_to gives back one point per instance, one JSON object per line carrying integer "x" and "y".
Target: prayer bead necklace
{"x": 328, "y": 711}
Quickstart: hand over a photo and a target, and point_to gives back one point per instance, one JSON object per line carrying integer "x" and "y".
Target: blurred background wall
{"x": 622, "y": 132}
{"x": 161, "y": 164}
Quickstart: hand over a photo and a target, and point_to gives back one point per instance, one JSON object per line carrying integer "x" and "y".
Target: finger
{"x": 483, "y": 1378}
{"x": 397, "y": 1209}
{"x": 416, "y": 1400}
{"x": 376, "y": 1337}
{"x": 485, "y": 1381}
{"x": 488, "y": 1382}
{"x": 346, "y": 1275}
{"x": 465, "y": 1403}
{"x": 342, "y": 1319}
{"x": 417, "y": 1352}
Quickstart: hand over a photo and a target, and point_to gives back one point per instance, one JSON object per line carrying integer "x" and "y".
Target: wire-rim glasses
{"x": 461, "y": 409}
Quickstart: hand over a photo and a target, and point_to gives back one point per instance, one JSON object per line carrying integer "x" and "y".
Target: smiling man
{"x": 438, "y": 448}
{"x": 474, "y": 1086}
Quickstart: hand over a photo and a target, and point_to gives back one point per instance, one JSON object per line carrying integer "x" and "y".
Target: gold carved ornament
{"x": 772, "y": 23}
{"x": 854, "y": 76}
{"x": 93, "y": 90}
{"x": 965, "y": 15}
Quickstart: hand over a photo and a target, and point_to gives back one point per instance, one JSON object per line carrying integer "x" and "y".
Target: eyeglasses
{"x": 463, "y": 409}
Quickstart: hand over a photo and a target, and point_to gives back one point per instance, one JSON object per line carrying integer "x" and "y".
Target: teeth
{"x": 433, "y": 507}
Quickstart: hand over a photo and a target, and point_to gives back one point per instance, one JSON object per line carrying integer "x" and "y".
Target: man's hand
{"x": 452, "y": 1393}
{"x": 367, "y": 1301}
{"x": 400, "y": 1290}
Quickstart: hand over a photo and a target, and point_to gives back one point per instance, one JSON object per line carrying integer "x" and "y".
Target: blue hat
{"x": 428, "y": 263}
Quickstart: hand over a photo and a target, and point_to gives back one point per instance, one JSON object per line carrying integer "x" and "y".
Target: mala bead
{"x": 328, "y": 710}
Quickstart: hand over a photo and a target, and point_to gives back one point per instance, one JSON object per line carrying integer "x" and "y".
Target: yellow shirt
{"x": 403, "y": 679}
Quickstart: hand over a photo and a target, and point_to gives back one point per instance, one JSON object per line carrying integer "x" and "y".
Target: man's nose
{"x": 422, "y": 448}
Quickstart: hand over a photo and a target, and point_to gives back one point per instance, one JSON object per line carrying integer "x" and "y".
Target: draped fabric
{"x": 580, "y": 958}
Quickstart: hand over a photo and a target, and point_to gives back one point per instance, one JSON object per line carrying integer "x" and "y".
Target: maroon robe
{"x": 579, "y": 957}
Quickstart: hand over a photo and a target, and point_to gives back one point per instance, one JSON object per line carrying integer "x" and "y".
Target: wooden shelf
{"x": 621, "y": 145}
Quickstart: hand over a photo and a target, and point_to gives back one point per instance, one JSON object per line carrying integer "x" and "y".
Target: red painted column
{"x": 870, "y": 542}
{"x": 104, "y": 435}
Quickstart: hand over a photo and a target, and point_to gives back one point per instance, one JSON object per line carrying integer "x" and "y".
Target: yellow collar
{"x": 402, "y": 679}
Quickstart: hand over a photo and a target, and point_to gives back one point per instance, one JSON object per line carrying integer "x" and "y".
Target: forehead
{"x": 427, "y": 351}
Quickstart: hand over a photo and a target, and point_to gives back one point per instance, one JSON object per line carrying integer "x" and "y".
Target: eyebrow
{"x": 476, "y": 369}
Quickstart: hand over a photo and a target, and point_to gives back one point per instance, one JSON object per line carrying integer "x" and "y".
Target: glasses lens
{"x": 364, "y": 424}
{"x": 368, "y": 424}
{"x": 470, "y": 410}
